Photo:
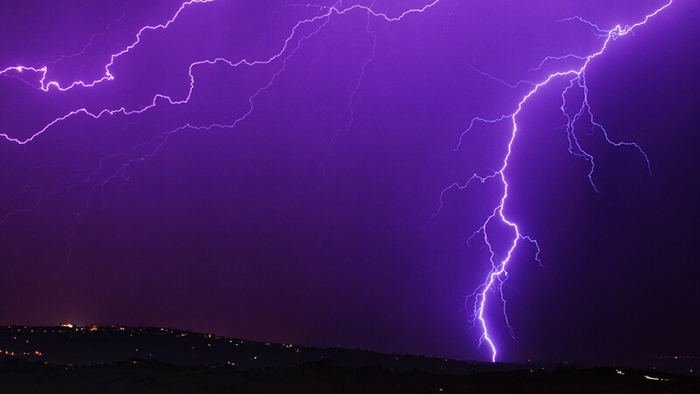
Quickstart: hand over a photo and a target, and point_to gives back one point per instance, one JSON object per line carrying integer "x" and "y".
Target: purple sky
{"x": 313, "y": 219}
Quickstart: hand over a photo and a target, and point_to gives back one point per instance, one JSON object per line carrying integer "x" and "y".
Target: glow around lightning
{"x": 577, "y": 78}
{"x": 490, "y": 291}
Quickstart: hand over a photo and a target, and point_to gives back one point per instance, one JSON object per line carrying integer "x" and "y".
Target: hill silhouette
{"x": 117, "y": 359}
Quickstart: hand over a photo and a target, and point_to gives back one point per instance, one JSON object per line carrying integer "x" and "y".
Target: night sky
{"x": 300, "y": 199}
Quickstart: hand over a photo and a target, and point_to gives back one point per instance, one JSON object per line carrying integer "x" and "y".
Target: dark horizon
{"x": 325, "y": 215}
{"x": 92, "y": 345}
{"x": 160, "y": 360}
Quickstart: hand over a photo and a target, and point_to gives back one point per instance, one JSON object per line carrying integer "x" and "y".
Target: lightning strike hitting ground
{"x": 490, "y": 290}
{"x": 498, "y": 275}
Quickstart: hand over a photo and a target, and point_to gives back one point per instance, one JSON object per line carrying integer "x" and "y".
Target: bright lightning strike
{"x": 577, "y": 78}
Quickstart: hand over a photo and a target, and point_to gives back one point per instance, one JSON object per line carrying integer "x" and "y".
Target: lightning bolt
{"x": 306, "y": 28}
{"x": 493, "y": 284}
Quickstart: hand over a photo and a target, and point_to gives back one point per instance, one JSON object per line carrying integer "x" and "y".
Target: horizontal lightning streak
{"x": 45, "y": 86}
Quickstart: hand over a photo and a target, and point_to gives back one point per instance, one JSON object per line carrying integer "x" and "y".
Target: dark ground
{"x": 139, "y": 376}
{"x": 116, "y": 359}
